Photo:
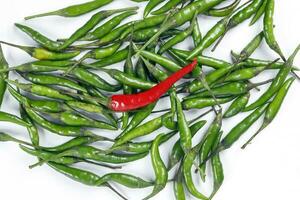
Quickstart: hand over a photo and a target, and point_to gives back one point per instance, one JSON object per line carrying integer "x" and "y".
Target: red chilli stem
{"x": 125, "y": 103}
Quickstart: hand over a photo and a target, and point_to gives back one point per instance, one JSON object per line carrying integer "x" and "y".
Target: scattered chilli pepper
{"x": 237, "y": 105}
{"x": 123, "y": 103}
{"x": 65, "y": 96}
{"x": 6, "y": 117}
{"x": 223, "y": 12}
{"x": 159, "y": 167}
{"x": 82, "y": 176}
{"x": 217, "y": 168}
{"x": 44, "y": 54}
{"x": 74, "y": 10}
{"x": 273, "y": 108}
{"x": 41, "y": 154}
{"x": 276, "y": 84}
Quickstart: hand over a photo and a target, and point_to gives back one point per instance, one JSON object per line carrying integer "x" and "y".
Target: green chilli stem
{"x": 254, "y": 136}
{"x": 43, "y": 15}
{"x": 228, "y": 28}
{"x": 70, "y": 69}
{"x": 24, "y": 48}
{"x": 115, "y": 191}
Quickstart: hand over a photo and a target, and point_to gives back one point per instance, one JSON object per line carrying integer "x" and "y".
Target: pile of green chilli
{"x": 65, "y": 96}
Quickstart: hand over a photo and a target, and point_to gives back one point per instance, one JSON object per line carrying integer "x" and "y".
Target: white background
{"x": 267, "y": 169}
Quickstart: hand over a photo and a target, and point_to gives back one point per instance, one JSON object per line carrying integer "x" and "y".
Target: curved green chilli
{"x": 237, "y": 106}
{"x": 244, "y": 74}
{"x": 106, "y": 28}
{"x": 244, "y": 14}
{"x": 276, "y": 84}
{"x": 89, "y": 25}
{"x": 197, "y": 35}
{"x": 199, "y": 103}
{"x": 3, "y": 76}
{"x": 157, "y": 73}
{"x": 144, "y": 24}
{"x": 223, "y": 12}
{"x": 138, "y": 118}
{"x": 115, "y": 58}
{"x": 225, "y": 90}
{"x": 88, "y": 98}
{"x": 81, "y": 176}
{"x": 259, "y": 13}
{"x": 41, "y": 90}
{"x": 71, "y": 119}
{"x": 229, "y": 89}
{"x": 167, "y": 7}
{"x": 178, "y": 186}
{"x": 141, "y": 130}
{"x": 184, "y": 15}
{"x": 46, "y": 155}
{"x": 57, "y": 129}
{"x": 127, "y": 180}
{"x": 178, "y": 38}
{"x": 32, "y": 129}
{"x": 44, "y": 54}
{"x": 45, "y": 79}
{"x": 269, "y": 28}
{"x": 251, "y": 47}
{"x": 163, "y": 61}
{"x": 150, "y": 6}
{"x": 253, "y": 62}
{"x": 141, "y": 147}
{"x": 217, "y": 169}
{"x": 43, "y": 66}
{"x": 92, "y": 179}
{"x": 6, "y": 117}
{"x": 211, "y": 36}
{"x": 203, "y": 60}
{"x": 101, "y": 53}
{"x": 77, "y": 141}
{"x": 188, "y": 162}
{"x": 42, "y": 105}
{"x": 92, "y": 153}
{"x": 75, "y": 10}
{"x": 109, "y": 38}
{"x": 236, "y": 132}
{"x": 273, "y": 108}
{"x": 183, "y": 127}
{"x": 92, "y": 108}
{"x": 160, "y": 170}
{"x": 177, "y": 152}
{"x": 143, "y": 35}
{"x": 241, "y": 16}
{"x": 38, "y": 37}
{"x": 85, "y": 76}
{"x": 211, "y": 136}
{"x": 211, "y": 77}
{"x": 123, "y": 31}
{"x": 129, "y": 80}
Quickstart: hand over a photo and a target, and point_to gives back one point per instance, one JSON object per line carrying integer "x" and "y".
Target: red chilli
{"x": 124, "y": 103}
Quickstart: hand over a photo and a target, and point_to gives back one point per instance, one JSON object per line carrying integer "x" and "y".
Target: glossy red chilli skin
{"x": 125, "y": 103}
